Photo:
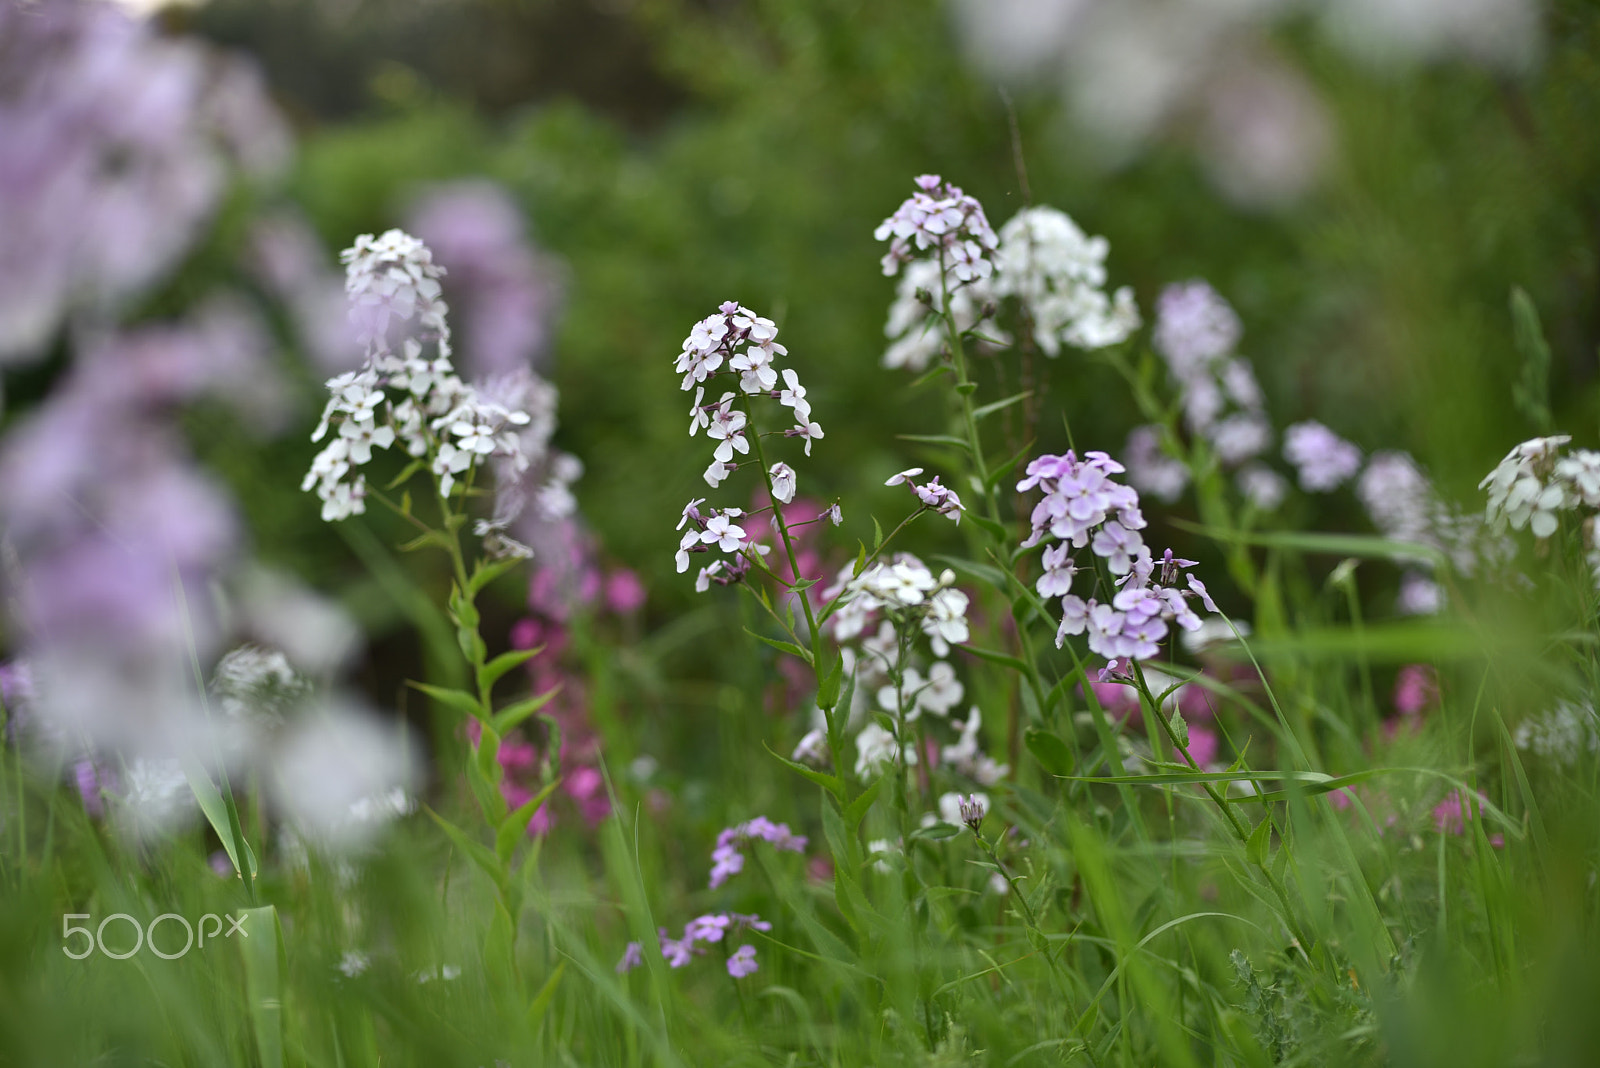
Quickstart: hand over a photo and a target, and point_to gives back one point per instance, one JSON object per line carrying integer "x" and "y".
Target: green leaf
{"x": 1259, "y": 842}
{"x": 988, "y": 574}
{"x": 782, "y": 646}
{"x": 483, "y": 573}
{"x": 929, "y": 376}
{"x": 471, "y": 643}
{"x": 846, "y": 887}
{"x": 1003, "y": 659}
{"x": 476, "y": 852}
{"x": 1050, "y": 751}
{"x": 508, "y": 718}
{"x": 936, "y": 439}
{"x": 1180, "y": 729}
{"x": 831, "y": 783}
{"x": 857, "y": 809}
{"x": 459, "y": 700}
{"x": 494, "y": 670}
{"x": 828, "y": 688}
{"x": 487, "y": 752}
{"x": 935, "y": 832}
{"x": 877, "y": 534}
{"x": 1007, "y": 467}
{"x": 422, "y": 541}
{"x": 403, "y": 477}
{"x": 861, "y": 560}
{"x": 546, "y": 994}
{"x": 1531, "y": 392}
{"x": 1360, "y": 545}
{"x": 515, "y": 826}
{"x": 966, "y": 389}
{"x": 988, "y": 526}
{"x": 1000, "y": 405}
{"x": 487, "y": 793}
{"x": 261, "y": 947}
{"x": 216, "y": 813}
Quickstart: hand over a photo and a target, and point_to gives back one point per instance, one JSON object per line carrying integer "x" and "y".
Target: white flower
{"x": 875, "y": 747}
{"x": 1518, "y": 493}
{"x": 946, "y": 621}
{"x": 813, "y": 748}
{"x": 941, "y": 692}
{"x": 904, "y": 476}
{"x": 723, "y": 533}
{"x": 1058, "y": 273}
{"x": 783, "y": 482}
{"x": 808, "y": 431}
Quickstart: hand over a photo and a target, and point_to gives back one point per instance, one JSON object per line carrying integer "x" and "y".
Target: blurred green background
{"x": 675, "y": 154}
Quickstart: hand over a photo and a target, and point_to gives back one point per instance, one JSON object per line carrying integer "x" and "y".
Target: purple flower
{"x": 742, "y": 962}
{"x": 503, "y": 294}
{"x": 1194, "y": 327}
{"x": 632, "y": 957}
{"x": 1324, "y": 460}
{"x": 942, "y": 219}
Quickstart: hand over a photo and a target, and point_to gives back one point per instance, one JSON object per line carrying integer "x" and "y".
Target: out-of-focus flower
{"x": 1150, "y": 470}
{"x": 340, "y": 774}
{"x": 119, "y": 146}
{"x": 1263, "y": 487}
{"x": 1058, "y": 273}
{"x": 503, "y": 294}
{"x": 1133, "y": 70}
{"x": 742, "y": 962}
{"x": 1324, "y": 460}
{"x": 1266, "y": 136}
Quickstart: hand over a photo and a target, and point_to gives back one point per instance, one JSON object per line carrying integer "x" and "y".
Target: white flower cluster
{"x": 901, "y": 588}
{"x": 735, "y": 341}
{"x": 878, "y": 614}
{"x": 914, "y": 329}
{"x": 1083, "y": 506}
{"x": 407, "y": 390}
{"x": 1042, "y": 259}
{"x": 1058, "y": 273}
{"x": 1536, "y": 482}
{"x": 1560, "y": 734}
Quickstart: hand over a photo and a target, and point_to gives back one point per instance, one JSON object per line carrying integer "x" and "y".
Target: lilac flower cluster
{"x": 941, "y": 223}
{"x": 698, "y": 933}
{"x": 407, "y": 392}
{"x": 1196, "y": 333}
{"x": 736, "y": 342}
{"x": 1083, "y": 506}
{"x": 934, "y": 497}
{"x": 1324, "y": 460}
{"x": 119, "y": 143}
{"x": 726, "y": 859}
{"x": 502, "y": 293}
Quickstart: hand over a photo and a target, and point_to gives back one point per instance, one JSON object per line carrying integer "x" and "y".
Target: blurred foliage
{"x": 1379, "y": 305}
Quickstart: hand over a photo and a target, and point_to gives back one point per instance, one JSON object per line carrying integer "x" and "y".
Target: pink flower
{"x": 1203, "y": 745}
{"x": 625, "y": 594}
{"x": 1416, "y": 688}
